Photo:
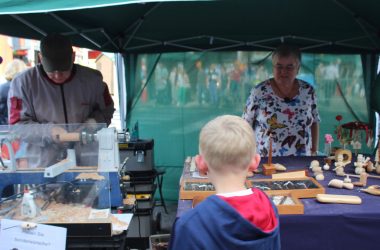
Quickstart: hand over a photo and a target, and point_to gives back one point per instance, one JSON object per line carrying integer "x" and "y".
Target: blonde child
{"x": 236, "y": 217}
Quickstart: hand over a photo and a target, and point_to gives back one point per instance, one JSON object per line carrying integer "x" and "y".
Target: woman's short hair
{"x": 286, "y": 50}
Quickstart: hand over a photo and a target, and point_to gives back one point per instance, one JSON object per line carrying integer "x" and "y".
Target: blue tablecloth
{"x": 326, "y": 226}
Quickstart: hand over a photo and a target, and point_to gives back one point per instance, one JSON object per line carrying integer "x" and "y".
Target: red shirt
{"x": 255, "y": 207}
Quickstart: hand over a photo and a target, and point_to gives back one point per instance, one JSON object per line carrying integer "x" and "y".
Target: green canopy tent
{"x": 134, "y": 28}
{"x": 151, "y": 26}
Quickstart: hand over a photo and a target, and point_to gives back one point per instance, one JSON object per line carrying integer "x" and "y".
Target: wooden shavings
{"x": 99, "y": 214}
{"x": 89, "y": 176}
{"x": 118, "y": 223}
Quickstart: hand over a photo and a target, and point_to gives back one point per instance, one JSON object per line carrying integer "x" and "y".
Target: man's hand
{"x": 91, "y": 124}
{"x": 56, "y": 132}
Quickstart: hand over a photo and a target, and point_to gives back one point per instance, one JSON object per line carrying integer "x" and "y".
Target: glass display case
{"x": 61, "y": 174}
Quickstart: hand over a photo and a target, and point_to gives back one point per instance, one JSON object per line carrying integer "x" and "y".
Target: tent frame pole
{"x": 64, "y": 22}
{"x": 35, "y": 28}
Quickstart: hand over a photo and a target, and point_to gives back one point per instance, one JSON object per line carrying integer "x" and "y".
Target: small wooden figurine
{"x": 370, "y": 167}
{"x": 326, "y": 166}
{"x": 269, "y": 168}
{"x": 347, "y": 179}
{"x": 374, "y": 189}
{"x": 279, "y": 167}
{"x": 361, "y": 163}
{"x": 339, "y": 165}
{"x": 317, "y": 170}
{"x": 363, "y": 178}
{"x": 340, "y": 184}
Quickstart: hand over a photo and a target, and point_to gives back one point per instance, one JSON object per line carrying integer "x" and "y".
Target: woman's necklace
{"x": 287, "y": 97}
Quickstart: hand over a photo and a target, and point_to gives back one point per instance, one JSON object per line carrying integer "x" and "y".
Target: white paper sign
{"x": 42, "y": 237}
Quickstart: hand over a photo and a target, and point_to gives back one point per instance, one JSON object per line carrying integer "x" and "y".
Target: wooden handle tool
{"x": 334, "y": 198}
{"x": 68, "y": 137}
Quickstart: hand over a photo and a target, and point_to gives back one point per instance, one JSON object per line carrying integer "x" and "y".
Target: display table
{"x": 325, "y": 226}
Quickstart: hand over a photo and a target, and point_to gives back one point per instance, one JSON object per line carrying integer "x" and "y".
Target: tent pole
{"x": 138, "y": 24}
{"x": 317, "y": 45}
{"x": 310, "y": 39}
{"x": 143, "y": 46}
{"x": 141, "y": 20}
{"x": 224, "y": 47}
{"x": 120, "y": 71}
{"x": 29, "y": 24}
{"x": 183, "y": 46}
{"x": 130, "y": 74}
{"x": 361, "y": 21}
{"x": 109, "y": 39}
{"x": 74, "y": 29}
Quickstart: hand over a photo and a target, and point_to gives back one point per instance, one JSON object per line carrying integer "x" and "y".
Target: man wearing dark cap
{"x": 57, "y": 52}
{"x": 57, "y": 91}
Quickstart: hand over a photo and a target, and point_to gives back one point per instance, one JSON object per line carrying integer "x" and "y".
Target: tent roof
{"x": 340, "y": 26}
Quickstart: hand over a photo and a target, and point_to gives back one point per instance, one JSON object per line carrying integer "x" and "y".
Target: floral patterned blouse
{"x": 288, "y": 120}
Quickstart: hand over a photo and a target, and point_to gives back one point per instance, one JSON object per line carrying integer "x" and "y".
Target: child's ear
{"x": 255, "y": 161}
{"x": 201, "y": 164}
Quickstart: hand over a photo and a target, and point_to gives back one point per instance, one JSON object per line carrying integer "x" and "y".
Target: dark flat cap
{"x": 56, "y": 53}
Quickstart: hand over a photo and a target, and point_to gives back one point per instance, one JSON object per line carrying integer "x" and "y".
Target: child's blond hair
{"x": 227, "y": 141}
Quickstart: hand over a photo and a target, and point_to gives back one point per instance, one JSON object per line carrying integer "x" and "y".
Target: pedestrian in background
{"x": 11, "y": 69}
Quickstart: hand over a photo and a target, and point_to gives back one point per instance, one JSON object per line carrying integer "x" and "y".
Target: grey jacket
{"x": 34, "y": 100}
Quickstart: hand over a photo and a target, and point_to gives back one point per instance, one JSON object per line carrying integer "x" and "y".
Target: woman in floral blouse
{"x": 285, "y": 107}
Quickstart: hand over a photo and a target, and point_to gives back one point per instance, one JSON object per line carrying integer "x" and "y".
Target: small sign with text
{"x": 27, "y": 235}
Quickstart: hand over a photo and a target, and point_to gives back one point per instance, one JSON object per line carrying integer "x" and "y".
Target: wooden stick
{"x": 68, "y": 137}
{"x": 334, "y": 198}
{"x": 295, "y": 174}
{"x": 368, "y": 175}
{"x": 270, "y": 150}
